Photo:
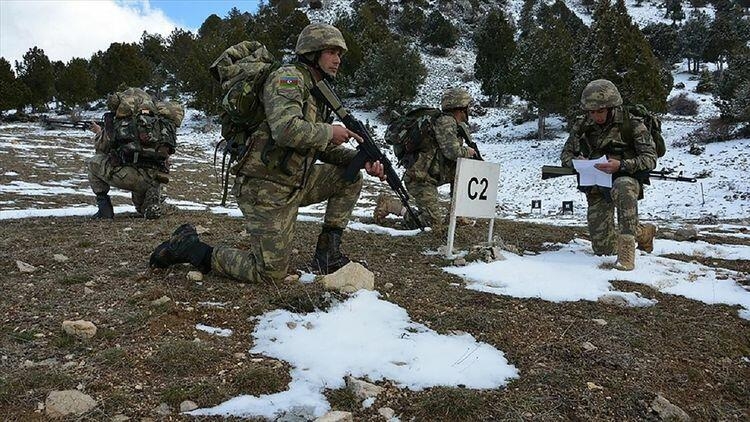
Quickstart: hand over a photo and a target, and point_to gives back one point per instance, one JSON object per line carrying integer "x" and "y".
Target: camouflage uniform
{"x": 278, "y": 175}
{"x": 435, "y": 166}
{"x": 141, "y": 182}
{"x": 591, "y": 140}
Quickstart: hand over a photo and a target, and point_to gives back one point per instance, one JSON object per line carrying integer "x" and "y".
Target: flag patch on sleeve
{"x": 289, "y": 82}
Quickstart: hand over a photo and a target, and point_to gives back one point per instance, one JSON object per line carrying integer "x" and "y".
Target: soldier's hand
{"x": 94, "y": 127}
{"x": 610, "y": 167}
{"x": 471, "y": 151}
{"x": 375, "y": 169}
{"x": 341, "y": 134}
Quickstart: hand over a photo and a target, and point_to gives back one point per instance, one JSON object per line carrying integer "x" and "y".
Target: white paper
{"x": 590, "y": 175}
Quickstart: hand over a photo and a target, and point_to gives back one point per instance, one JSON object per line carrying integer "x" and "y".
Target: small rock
{"x": 87, "y": 291}
{"x": 336, "y": 416}
{"x": 587, "y": 346}
{"x": 387, "y": 413}
{"x": 24, "y": 267}
{"x": 291, "y": 278}
{"x": 79, "y": 328}
{"x": 58, "y": 257}
{"x": 68, "y": 402}
{"x": 388, "y": 286}
{"x": 240, "y": 355}
{"x": 90, "y": 284}
{"x": 187, "y": 406}
{"x": 667, "y": 410}
{"x": 686, "y": 234}
{"x": 599, "y": 321}
{"x": 194, "y": 276}
{"x": 202, "y": 230}
{"x": 362, "y": 389}
{"x": 592, "y": 386}
{"x": 350, "y": 278}
{"x": 291, "y": 325}
{"x": 616, "y": 300}
{"x": 459, "y": 262}
{"x": 160, "y": 301}
{"x": 163, "y": 409}
{"x": 119, "y": 418}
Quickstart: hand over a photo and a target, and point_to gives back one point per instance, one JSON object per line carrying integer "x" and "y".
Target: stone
{"x": 187, "y": 406}
{"x": 291, "y": 278}
{"x": 686, "y": 234}
{"x": 599, "y": 321}
{"x": 79, "y": 328}
{"x": 58, "y": 257}
{"x": 68, "y": 402}
{"x": 362, "y": 389}
{"x": 668, "y": 411}
{"x": 160, "y": 301}
{"x": 119, "y": 418}
{"x": 350, "y": 278}
{"x": 163, "y": 409}
{"x": 24, "y": 267}
{"x": 616, "y": 300}
{"x": 336, "y": 416}
{"x": 194, "y": 276}
{"x": 587, "y": 346}
{"x": 387, "y": 413}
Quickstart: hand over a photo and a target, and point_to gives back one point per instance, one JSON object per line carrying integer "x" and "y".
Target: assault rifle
{"x": 550, "y": 172}
{"x": 49, "y": 123}
{"x": 368, "y": 151}
{"x": 470, "y": 144}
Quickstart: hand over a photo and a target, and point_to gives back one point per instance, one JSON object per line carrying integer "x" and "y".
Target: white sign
{"x": 474, "y": 195}
{"x": 475, "y": 188}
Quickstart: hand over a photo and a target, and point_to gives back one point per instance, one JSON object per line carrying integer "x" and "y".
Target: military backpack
{"x": 650, "y": 120}
{"x": 406, "y": 133}
{"x": 143, "y": 132}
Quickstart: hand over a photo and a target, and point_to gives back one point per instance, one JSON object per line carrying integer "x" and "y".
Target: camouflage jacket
{"x": 295, "y": 133}
{"x": 436, "y": 162}
{"x": 593, "y": 141}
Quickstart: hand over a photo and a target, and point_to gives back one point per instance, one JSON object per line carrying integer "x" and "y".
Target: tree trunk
{"x": 540, "y": 128}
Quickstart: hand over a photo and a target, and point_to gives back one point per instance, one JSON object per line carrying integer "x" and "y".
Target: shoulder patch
{"x": 289, "y": 82}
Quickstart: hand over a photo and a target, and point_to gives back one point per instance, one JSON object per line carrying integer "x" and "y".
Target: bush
{"x": 439, "y": 31}
{"x": 682, "y": 105}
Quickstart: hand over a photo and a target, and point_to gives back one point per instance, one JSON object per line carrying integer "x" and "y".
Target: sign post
{"x": 474, "y": 195}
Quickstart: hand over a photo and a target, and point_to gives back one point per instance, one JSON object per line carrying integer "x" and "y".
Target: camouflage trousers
{"x": 601, "y": 212}
{"x": 430, "y": 212}
{"x": 270, "y": 211}
{"x": 141, "y": 182}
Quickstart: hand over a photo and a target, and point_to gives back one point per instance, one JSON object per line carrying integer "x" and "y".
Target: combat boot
{"x": 328, "y": 257}
{"x": 105, "y": 207}
{"x": 645, "y": 237}
{"x": 625, "y": 253}
{"x": 183, "y": 247}
{"x": 386, "y": 206}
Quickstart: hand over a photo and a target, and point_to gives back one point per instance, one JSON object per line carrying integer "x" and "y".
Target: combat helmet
{"x": 454, "y": 98}
{"x": 600, "y": 94}
{"x": 319, "y": 36}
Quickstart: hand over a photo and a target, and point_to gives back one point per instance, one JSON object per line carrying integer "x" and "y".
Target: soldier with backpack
{"x": 277, "y": 173}
{"x": 429, "y": 147}
{"x": 609, "y": 129}
{"x": 132, "y": 152}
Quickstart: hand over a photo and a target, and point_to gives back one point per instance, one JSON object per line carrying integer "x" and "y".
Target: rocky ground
{"x": 147, "y": 353}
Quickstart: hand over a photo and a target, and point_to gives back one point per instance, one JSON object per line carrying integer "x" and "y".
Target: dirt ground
{"x": 145, "y": 353}
{"x": 693, "y": 354}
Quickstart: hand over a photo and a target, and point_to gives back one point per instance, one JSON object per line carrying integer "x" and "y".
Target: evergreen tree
{"x": 495, "y": 47}
{"x": 76, "y": 84}
{"x": 153, "y": 48}
{"x": 728, "y": 33}
{"x": 411, "y": 20}
{"x": 276, "y": 31}
{"x": 36, "y": 73}
{"x": 543, "y": 65}
{"x": 392, "y": 75}
{"x": 663, "y": 41}
{"x": 618, "y": 51}
{"x": 439, "y": 31}
{"x": 122, "y": 65}
{"x": 179, "y": 47}
{"x": 14, "y": 93}
{"x": 734, "y": 88}
{"x": 674, "y": 11}
{"x": 693, "y": 39}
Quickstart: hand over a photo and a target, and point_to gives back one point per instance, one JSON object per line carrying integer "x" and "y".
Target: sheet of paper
{"x": 591, "y": 176}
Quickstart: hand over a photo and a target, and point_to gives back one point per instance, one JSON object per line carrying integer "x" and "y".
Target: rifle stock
{"x": 550, "y": 172}
{"x": 49, "y": 123}
{"x": 368, "y": 151}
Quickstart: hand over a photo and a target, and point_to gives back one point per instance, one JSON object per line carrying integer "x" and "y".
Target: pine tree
{"x": 14, "y": 93}
{"x": 693, "y": 39}
{"x": 75, "y": 84}
{"x": 439, "y": 31}
{"x": 618, "y": 51}
{"x": 411, "y": 20}
{"x": 734, "y": 88}
{"x": 392, "y": 76}
{"x": 179, "y": 47}
{"x": 728, "y": 33}
{"x": 495, "y": 47}
{"x": 36, "y": 73}
{"x": 663, "y": 41}
{"x": 122, "y": 65}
